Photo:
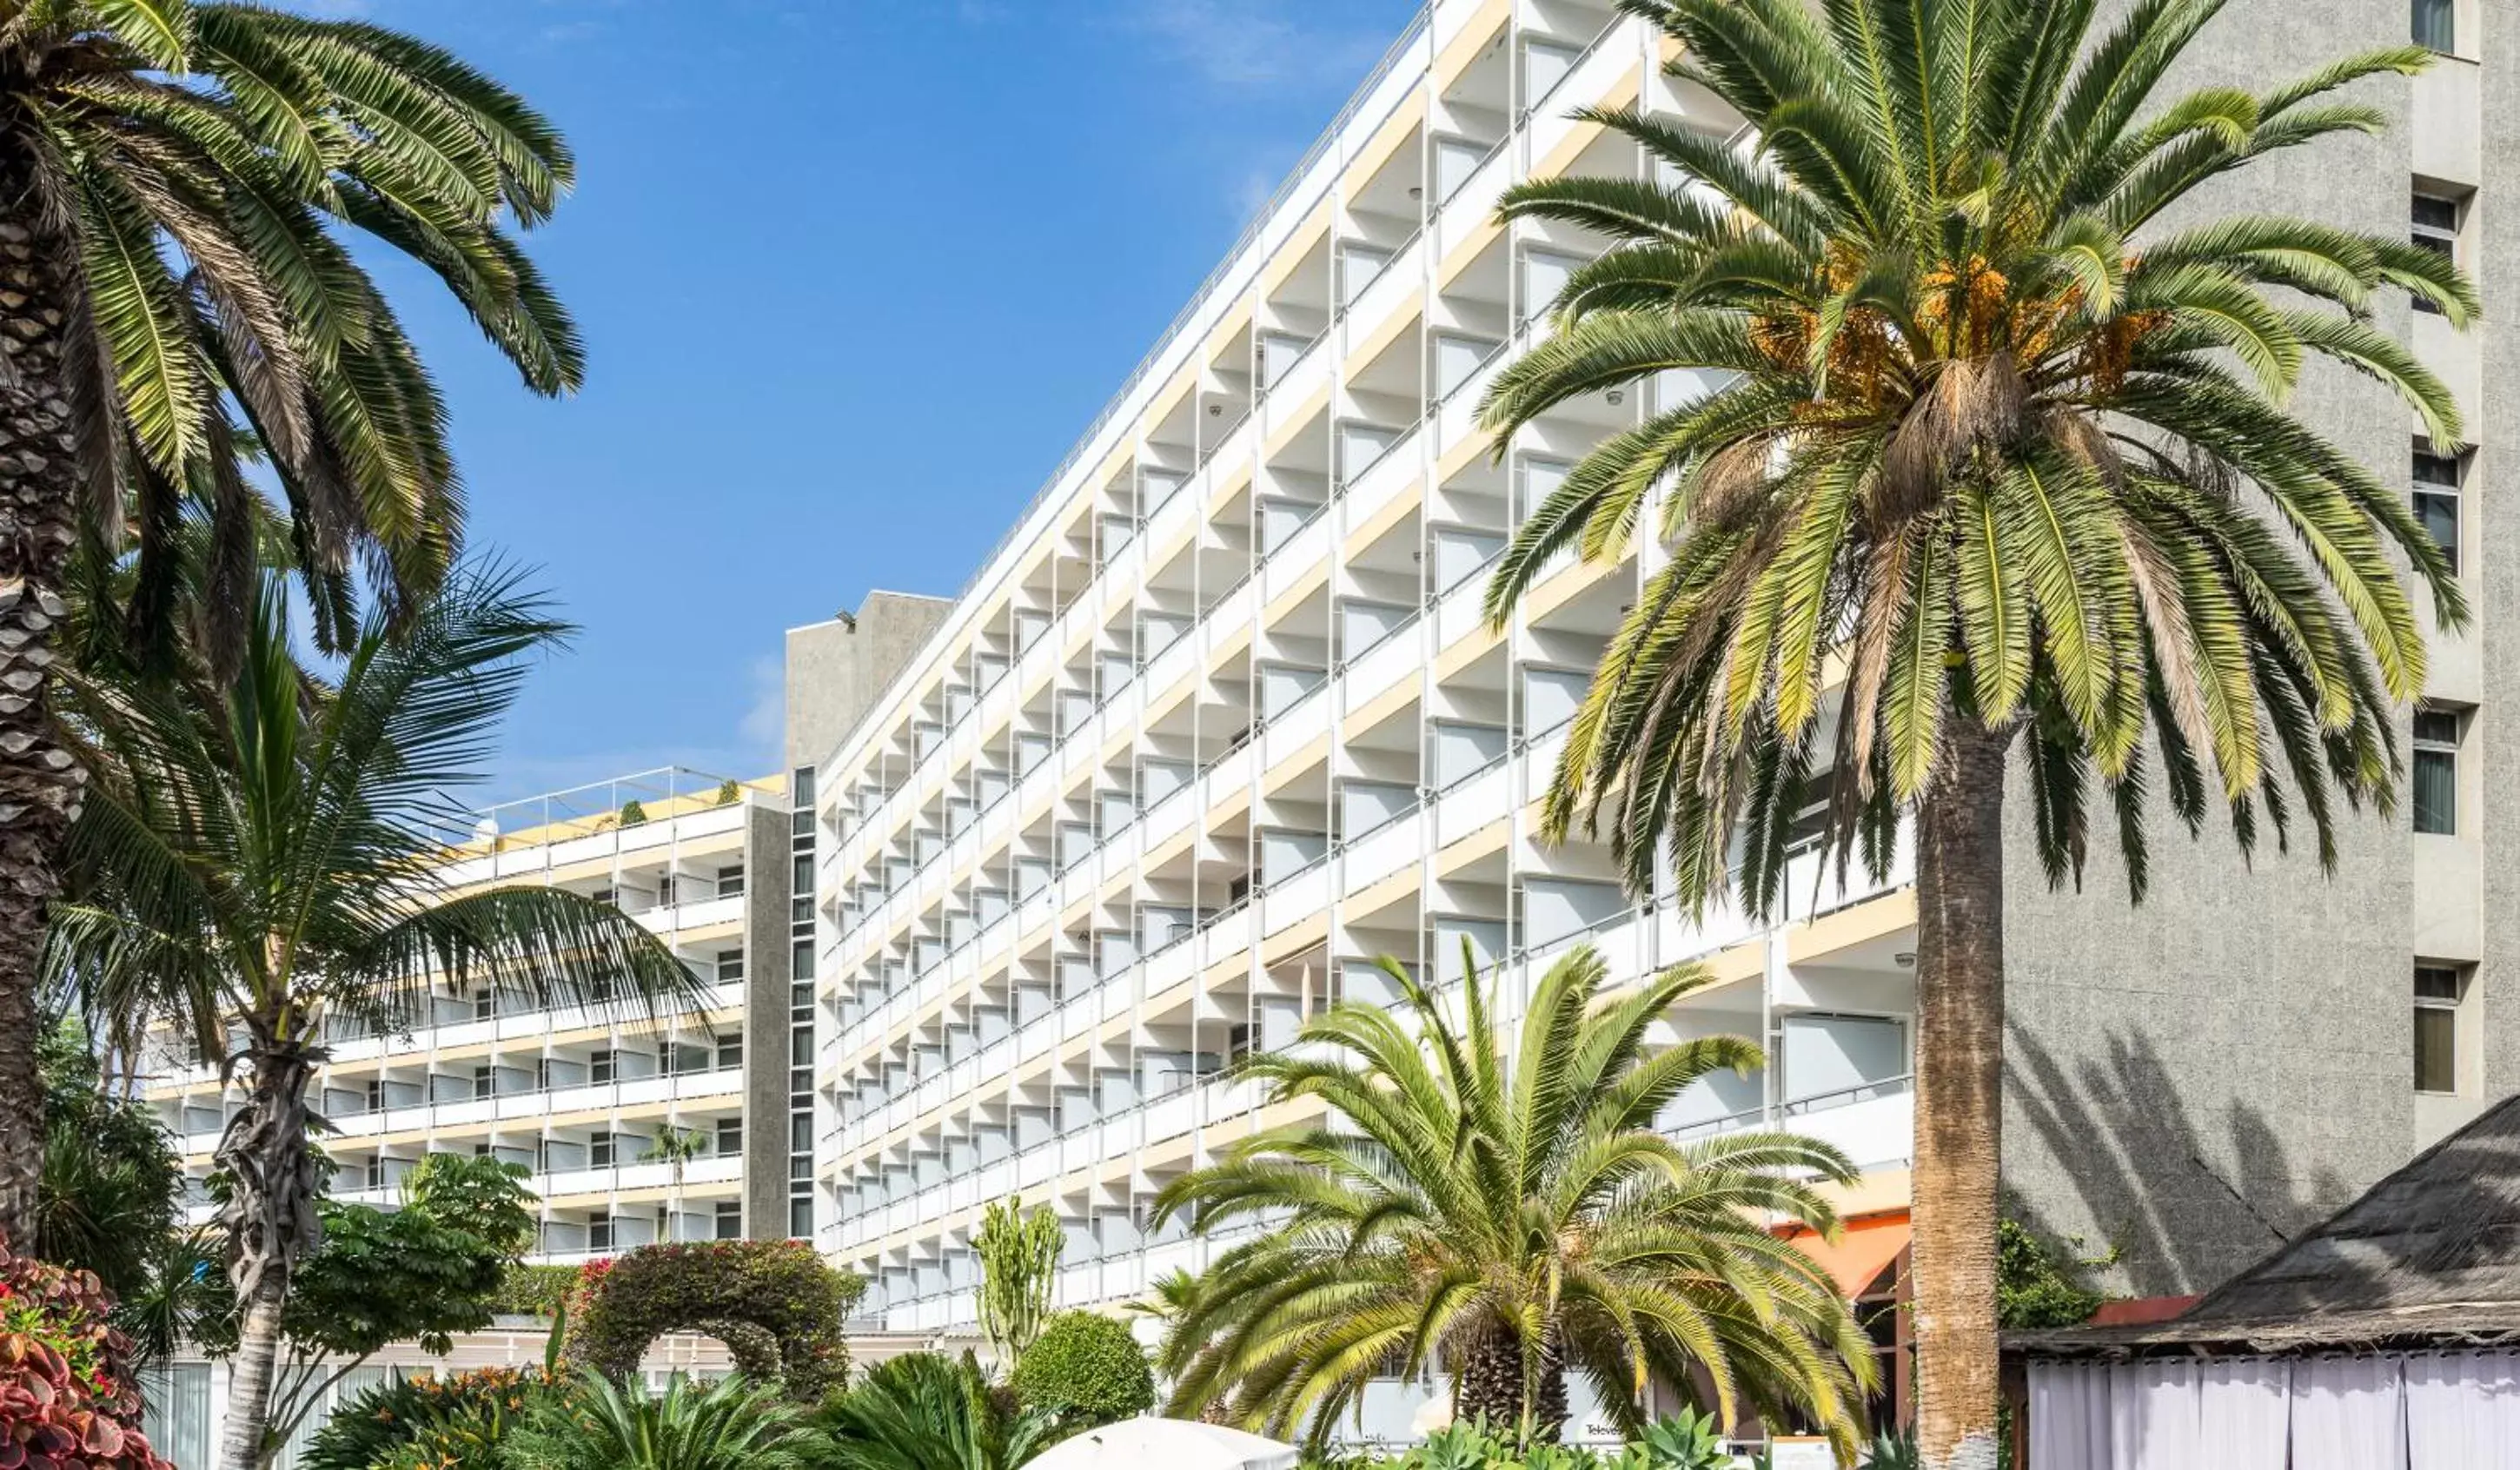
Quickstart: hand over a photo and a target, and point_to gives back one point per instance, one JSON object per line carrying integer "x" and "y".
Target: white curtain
{"x": 2069, "y": 1416}
{"x": 2152, "y": 1414}
{"x": 2243, "y": 1413}
{"x": 2348, "y": 1413}
{"x": 2463, "y": 1411}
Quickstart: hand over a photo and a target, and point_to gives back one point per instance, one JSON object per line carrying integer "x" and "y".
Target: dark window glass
{"x": 2436, "y": 1049}
{"x": 2434, "y": 24}
{"x": 2436, "y": 982}
{"x": 2436, "y": 792}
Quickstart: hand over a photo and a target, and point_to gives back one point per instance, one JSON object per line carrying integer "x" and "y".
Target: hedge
{"x": 774, "y": 1303}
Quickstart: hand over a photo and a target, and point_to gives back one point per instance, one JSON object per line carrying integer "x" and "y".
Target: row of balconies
{"x": 1111, "y": 1249}
{"x": 443, "y": 1102}
{"x": 1362, "y": 266}
{"x": 1390, "y": 833}
{"x": 915, "y": 1083}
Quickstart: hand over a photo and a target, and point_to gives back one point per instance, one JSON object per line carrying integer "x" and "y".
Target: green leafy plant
{"x": 2037, "y": 1285}
{"x": 601, "y": 1424}
{"x": 1505, "y": 1208}
{"x": 112, "y": 1200}
{"x": 728, "y": 791}
{"x": 1087, "y": 1368}
{"x": 1019, "y": 1262}
{"x": 926, "y": 1411}
{"x": 423, "y": 1272}
{"x": 428, "y": 1420}
{"x": 1687, "y": 1441}
{"x": 1972, "y": 479}
{"x": 632, "y": 812}
{"x": 534, "y": 1290}
{"x": 1891, "y": 1449}
{"x": 775, "y": 1304}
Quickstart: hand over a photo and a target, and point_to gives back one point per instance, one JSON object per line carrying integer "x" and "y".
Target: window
{"x": 2436, "y": 994}
{"x": 598, "y": 1151}
{"x": 730, "y": 881}
{"x": 2436, "y": 500}
{"x": 376, "y": 1097}
{"x": 481, "y": 1082}
{"x": 2434, "y": 226}
{"x": 730, "y": 1220}
{"x": 485, "y": 1003}
{"x": 800, "y": 1216}
{"x": 601, "y": 1066}
{"x": 730, "y": 1052}
{"x": 2434, "y": 25}
{"x": 730, "y": 1136}
{"x": 599, "y": 1234}
{"x": 730, "y": 966}
{"x": 2435, "y": 783}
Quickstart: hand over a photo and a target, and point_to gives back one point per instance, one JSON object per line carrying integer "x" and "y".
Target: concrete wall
{"x": 767, "y": 969}
{"x": 2197, "y": 1079}
{"x": 837, "y": 669}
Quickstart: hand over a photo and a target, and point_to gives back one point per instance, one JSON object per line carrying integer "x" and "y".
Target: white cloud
{"x": 1254, "y": 43}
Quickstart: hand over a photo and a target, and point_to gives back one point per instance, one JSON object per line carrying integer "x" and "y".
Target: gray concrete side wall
{"x": 838, "y": 670}
{"x": 2195, "y": 1078}
{"x": 766, "y": 970}
{"x": 2496, "y": 736}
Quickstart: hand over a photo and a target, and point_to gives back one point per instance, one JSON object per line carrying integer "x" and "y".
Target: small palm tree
{"x": 675, "y": 1148}
{"x": 259, "y": 856}
{"x": 1996, "y": 459}
{"x": 728, "y": 1424}
{"x": 179, "y": 184}
{"x": 926, "y": 1411}
{"x": 1508, "y": 1212}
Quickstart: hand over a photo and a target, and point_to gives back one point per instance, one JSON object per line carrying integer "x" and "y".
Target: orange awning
{"x": 1862, "y": 1248}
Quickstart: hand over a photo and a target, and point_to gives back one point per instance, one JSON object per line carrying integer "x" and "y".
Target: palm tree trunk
{"x": 271, "y": 1221}
{"x": 1490, "y": 1387}
{"x": 39, "y": 782}
{"x": 1959, "y": 1080}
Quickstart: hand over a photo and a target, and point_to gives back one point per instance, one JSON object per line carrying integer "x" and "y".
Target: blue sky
{"x": 852, "y": 273}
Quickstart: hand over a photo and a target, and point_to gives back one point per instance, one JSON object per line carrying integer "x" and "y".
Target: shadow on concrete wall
{"x": 2187, "y": 1202}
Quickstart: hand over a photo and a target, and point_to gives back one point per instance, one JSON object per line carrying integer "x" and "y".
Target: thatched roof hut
{"x": 2429, "y": 1258}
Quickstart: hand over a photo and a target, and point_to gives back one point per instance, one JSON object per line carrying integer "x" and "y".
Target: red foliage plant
{"x": 67, "y": 1398}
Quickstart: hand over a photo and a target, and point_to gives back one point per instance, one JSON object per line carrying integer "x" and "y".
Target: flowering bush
{"x": 66, "y": 1395}
{"x": 774, "y": 1303}
{"x": 454, "y": 1422}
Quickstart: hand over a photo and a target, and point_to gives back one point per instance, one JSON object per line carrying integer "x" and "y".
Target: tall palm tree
{"x": 1998, "y": 458}
{"x": 176, "y": 183}
{"x": 1505, "y": 1211}
{"x": 257, "y": 858}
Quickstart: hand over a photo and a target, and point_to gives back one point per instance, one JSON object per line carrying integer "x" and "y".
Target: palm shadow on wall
{"x": 2183, "y": 1214}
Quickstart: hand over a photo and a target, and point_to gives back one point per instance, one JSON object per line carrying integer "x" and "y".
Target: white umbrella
{"x": 1164, "y": 1445}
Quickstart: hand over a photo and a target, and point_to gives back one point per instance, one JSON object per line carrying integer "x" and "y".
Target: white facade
{"x": 577, "y": 1097}
{"x": 1219, "y": 723}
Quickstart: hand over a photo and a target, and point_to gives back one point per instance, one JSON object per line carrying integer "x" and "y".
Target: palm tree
{"x": 675, "y": 1147}
{"x": 603, "y": 1425}
{"x": 176, "y": 180}
{"x": 926, "y": 1411}
{"x": 1981, "y": 471}
{"x": 1506, "y": 1216}
{"x": 257, "y": 860}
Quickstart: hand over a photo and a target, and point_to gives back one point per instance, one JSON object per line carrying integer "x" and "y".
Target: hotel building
{"x": 1218, "y": 722}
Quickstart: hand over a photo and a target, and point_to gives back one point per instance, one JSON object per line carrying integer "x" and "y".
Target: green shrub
{"x": 534, "y": 1290}
{"x": 599, "y": 1424}
{"x": 927, "y": 1411}
{"x": 457, "y": 1422}
{"x": 727, "y": 792}
{"x": 632, "y": 812}
{"x": 1086, "y": 1367}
